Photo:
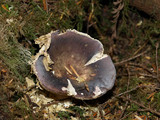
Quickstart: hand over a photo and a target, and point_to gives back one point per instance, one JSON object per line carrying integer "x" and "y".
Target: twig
{"x": 116, "y": 13}
{"x": 49, "y": 17}
{"x": 125, "y": 107}
{"x": 74, "y": 71}
{"x": 128, "y": 96}
{"x": 141, "y": 47}
{"x": 103, "y": 104}
{"x": 141, "y": 66}
{"x": 128, "y": 91}
{"x": 90, "y": 16}
{"x": 141, "y": 105}
{"x": 49, "y": 104}
{"x": 157, "y": 46}
{"x": 101, "y": 112}
{"x": 90, "y": 22}
{"x": 102, "y": 37}
{"x": 126, "y": 116}
{"x": 133, "y": 89}
{"x": 45, "y": 5}
{"x": 68, "y": 70}
{"x": 128, "y": 78}
{"x": 29, "y": 88}
{"x": 29, "y": 104}
{"x": 131, "y": 58}
{"x": 140, "y": 74}
{"x": 146, "y": 75}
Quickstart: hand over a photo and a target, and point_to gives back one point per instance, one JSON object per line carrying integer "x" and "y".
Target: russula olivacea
{"x": 73, "y": 64}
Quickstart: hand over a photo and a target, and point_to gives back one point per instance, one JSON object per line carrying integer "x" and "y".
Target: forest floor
{"x": 134, "y": 51}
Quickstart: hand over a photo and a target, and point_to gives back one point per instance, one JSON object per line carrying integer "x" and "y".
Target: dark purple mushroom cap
{"x": 79, "y": 69}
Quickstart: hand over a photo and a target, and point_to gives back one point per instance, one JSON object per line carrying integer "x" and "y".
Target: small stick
{"x": 141, "y": 105}
{"x": 86, "y": 85}
{"x": 131, "y": 58}
{"x": 141, "y": 66}
{"x": 75, "y": 72}
{"x": 101, "y": 112}
{"x": 45, "y": 5}
{"x": 146, "y": 75}
{"x": 126, "y": 116}
{"x": 116, "y": 13}
{"x": 129, "y": 77}
{"x": 128, "y": 96}
{"x": 115, "y": 96}
{"x": 128, "y": 91}
{"x": 68, "y": 70}
{"x": 49, "y": 17}
{"x": 157, "y": 46}
{"x": 48, "y": 104}
{"x": 90, "y": 15}
{"x": 125, "y": 107}
{"x": 123, "y": 93}
{"x": 141, "y": 48}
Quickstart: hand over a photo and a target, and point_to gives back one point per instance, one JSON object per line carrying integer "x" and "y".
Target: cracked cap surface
{"x": 79, "y": 69}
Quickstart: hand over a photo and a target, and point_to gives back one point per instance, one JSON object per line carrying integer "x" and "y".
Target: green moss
{"x": 64, "y": 115}
{"x": 21, "y": 110}
{"x": 133, "y": 107}
{"x": 79, "y": 112}
{"x": 67, "y": 115}
{"x": 156, "y": 101}
{"x": 14, "y": 55}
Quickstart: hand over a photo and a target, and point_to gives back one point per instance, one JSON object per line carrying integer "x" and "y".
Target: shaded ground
{"x": 135, "y": 52}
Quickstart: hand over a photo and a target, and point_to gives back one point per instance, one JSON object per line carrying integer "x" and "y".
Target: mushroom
{"x": 73, "y": 64}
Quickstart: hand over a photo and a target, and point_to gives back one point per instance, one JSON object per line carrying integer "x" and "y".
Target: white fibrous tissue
{"x": 97, "y": 91}
{"x": 70, "y": 89}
